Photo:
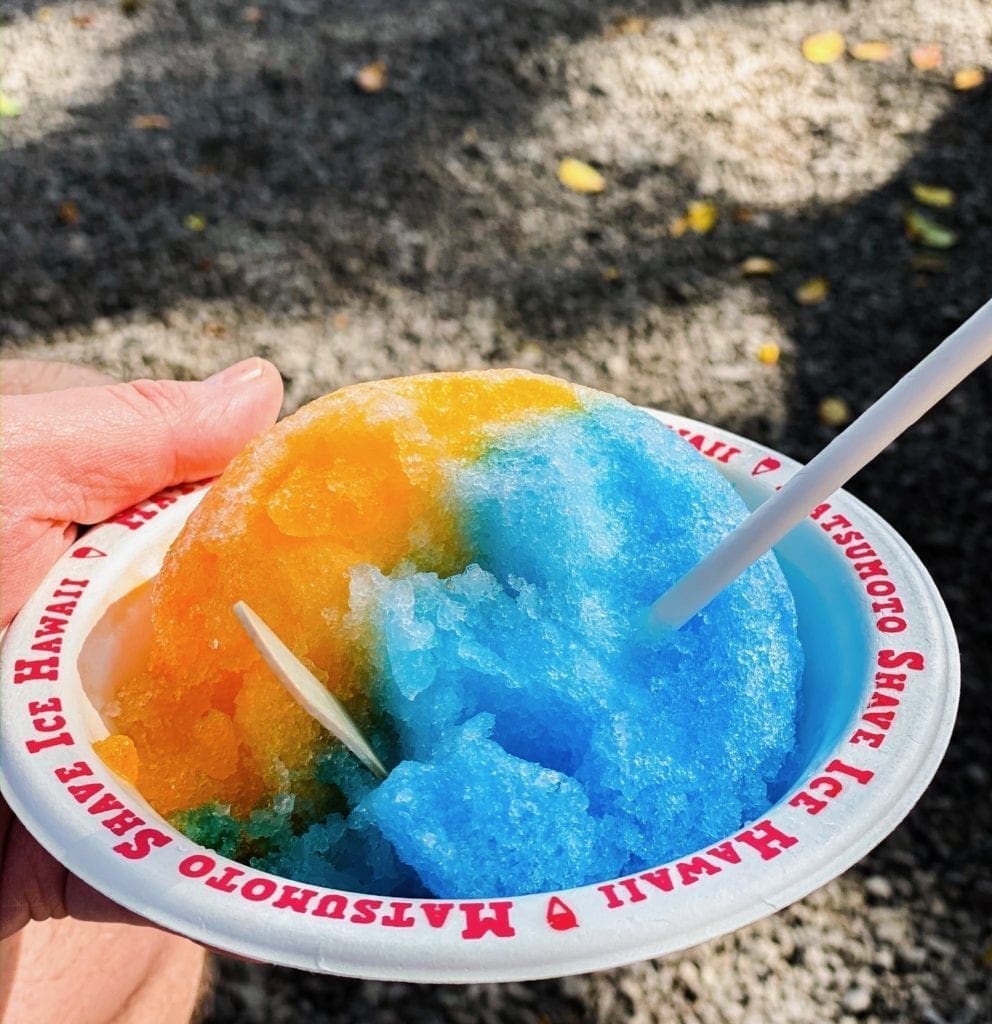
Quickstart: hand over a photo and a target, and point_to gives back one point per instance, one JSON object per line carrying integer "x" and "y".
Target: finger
{"x": 86, "y": 904}
{"x": 28, "y": 549}
{"x": 98, "y": 450}
{"x": 33, "y": 376}
{"x": 34, "y": 886}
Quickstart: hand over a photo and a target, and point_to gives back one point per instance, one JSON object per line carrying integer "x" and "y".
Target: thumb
{"x": 98, "y": 450}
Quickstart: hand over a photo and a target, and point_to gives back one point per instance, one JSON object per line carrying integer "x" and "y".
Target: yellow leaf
{"x": 194, "y": 222}
{"x": 701, "y": 217}
{"x": 580, "y": 177}
{"x": 823, "y": 47}
{"x": 925, "y": 230}
{"x": 874, "y": 51}
{"x": 768, "y": 353}
{"x": 151, "y": 122}
{"x": 44, "y": 14}
{"x": 813, "y": 291}
{"x": 678, "y": 227}
{"x": 758, "y": 266}
{"x": 9, "y": 107}
{"x": 926, "y": 57}
{"x": 928, "y": 263}
{"x": 530, "y": 354}
{"x": 611, "y": 273}
{"x": 932, "y": 195}
{"x": 69, "y": 213}
{"x": 628, "y": 25}
{"x": 968, "y": 78}
{"x": 373, "y": 77}
{"x": 834, "y": 412}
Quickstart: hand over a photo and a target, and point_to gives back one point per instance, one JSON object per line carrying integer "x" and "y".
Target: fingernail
{"x": 239, "y": 373}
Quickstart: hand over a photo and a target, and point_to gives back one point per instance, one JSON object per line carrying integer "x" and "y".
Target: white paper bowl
{"x": 880, "y": 694}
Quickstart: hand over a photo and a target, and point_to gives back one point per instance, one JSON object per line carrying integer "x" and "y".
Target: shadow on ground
{"x": 313, "y": 192}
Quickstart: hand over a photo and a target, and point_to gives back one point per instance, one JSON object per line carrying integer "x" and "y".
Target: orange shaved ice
{"x": 120, "y": 756}
{"x": 356, "y": 477}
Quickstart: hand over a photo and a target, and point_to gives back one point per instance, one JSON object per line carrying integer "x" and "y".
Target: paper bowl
{"x": 880, "y": 694}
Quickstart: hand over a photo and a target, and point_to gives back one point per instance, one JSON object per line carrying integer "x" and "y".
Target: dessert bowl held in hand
{"x": 486, "y": 594}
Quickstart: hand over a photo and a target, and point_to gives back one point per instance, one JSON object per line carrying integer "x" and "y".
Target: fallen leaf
{"x": 151, "y": 122}
{"x": 580, "y": 177}
{"x": 926, "y": 57}
{"x": 214, "y": 329}
{"x": 932, "y": 195}
{"x": 253, "y": 15}
{"x": 928, "y": 262}
{"x": 742, "y": 215}
{"x": 530, "y": 354}
{"x": 678, "y": 227}
{"x": 69, "y": 213}
{"x": 925, "y": 230}
{"x": 373, "y": 77}
{"x": 627, "y": 25}
{"x": 611, "y": 273}
{"x": 968, "y": 78}
{"x": 834, "y": 412}
{"x": 701, "y": 217}
{"x": 758, "y": 266}
{"x": 341, "y": 321}
{"x": 130, "y": 7}
{"x": 82, "y": 20}
{"x": 873, "y": 52}
{"x": 204, "y": 263}
{"x": 44, "y": 14}
{"x": 768, "y": 353}
{"x": 194, "y": 222}
{"x": 824, "y": 47}
{"x": 813, "y": 291}
{"x": 9, "y": 107}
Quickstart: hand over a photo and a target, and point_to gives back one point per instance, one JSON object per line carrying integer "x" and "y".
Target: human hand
{"x": 76, "y": 450}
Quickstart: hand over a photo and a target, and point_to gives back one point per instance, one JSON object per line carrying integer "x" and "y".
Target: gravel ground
{"x": 282, "y": 211}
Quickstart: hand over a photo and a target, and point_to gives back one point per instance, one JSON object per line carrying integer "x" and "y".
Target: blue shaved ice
{"x": 539, "y": 741}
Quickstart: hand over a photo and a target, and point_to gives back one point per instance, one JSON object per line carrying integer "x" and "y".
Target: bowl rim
{"x": 764, "y": 866}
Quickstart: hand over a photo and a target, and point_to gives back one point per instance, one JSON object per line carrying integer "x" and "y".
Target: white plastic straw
{"x": 901, "y": 406}
{"x": 306, "y": 689}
